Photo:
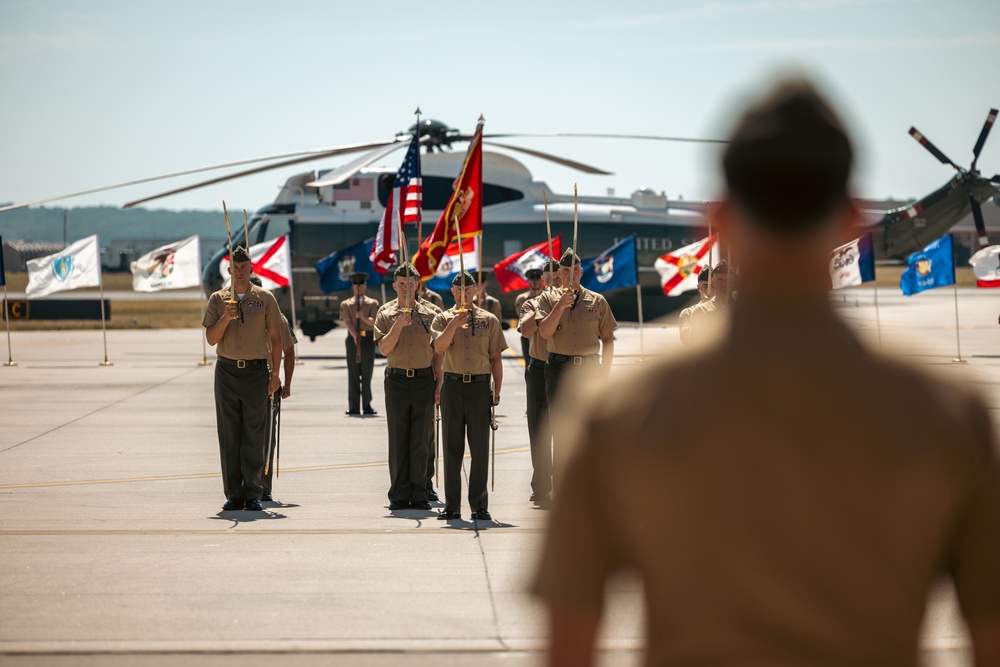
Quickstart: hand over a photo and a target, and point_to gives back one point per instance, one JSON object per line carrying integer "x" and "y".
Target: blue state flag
{"x": 336, "y": 268}
{"x": 934, "y": 266}
{"x": 615, "y": 268}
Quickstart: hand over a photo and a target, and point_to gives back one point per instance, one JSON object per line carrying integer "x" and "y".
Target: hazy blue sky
{"x": 101, "y": 91}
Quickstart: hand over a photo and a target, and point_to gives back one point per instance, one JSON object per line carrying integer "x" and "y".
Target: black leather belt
{"x": 409, "y": 372}
{"x": 466, "y": 378}
{"x": 576, "y": 361}
{"x": 243, "y": 363}
{"x": 536, "y": 363}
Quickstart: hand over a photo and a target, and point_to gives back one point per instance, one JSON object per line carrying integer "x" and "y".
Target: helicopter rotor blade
{"x": 649, "y": 137}
{"x": 987, "y": 126}
{"x": 249, "y": 172}
{"x": 341, "y": 174}
{"x": 942, "y": 158}
{"x": 566, "y": 162}
{"x": 977, "y": 216}
{"x": 319, "y": 152}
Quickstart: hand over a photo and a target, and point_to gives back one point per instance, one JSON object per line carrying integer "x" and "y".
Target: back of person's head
{"x": 788, "y": 161}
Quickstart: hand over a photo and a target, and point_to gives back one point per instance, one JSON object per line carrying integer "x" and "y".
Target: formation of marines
{"x": 436, "y": 359}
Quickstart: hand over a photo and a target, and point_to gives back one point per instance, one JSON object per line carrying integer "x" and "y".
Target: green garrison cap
{"x": 255, "y": 280}
{"x": 533, "y": 274}
{"x": 359, "y": 278}
{"x": 569, "y": 258}
{"x": 240, "y": 254}
{"x": 463, "y": 275}
{"x": 406, "y": 270}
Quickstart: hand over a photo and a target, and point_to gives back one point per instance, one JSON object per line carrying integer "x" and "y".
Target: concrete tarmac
{"x": 115, "y": 549}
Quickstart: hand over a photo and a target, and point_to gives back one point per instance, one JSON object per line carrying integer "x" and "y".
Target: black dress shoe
{"x": 352, "y": 413}
{"x": 232, "y": 504}
{"x": 481, "y": 515}
{"x": 371, "y": 411}
{"x": 540, "y": 497}
{"x": 449, "y": 516}
{"x": 253, "y": 505}
{"x": 399, "y": 504}
{"x": 420, "y": 506}
{"x": 432, "y": 495}
{"x": 267, "y": 498}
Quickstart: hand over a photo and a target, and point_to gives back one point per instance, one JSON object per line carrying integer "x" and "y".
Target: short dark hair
{"x": 703, "y": 275}
{"x": 789, "y": 159}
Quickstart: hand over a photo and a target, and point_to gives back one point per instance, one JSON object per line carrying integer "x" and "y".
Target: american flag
{"x": 407, "y": 192}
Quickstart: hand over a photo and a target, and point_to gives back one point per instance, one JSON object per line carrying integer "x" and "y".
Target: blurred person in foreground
{"x": 808, "y": 524}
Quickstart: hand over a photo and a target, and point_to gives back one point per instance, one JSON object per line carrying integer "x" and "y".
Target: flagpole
{"x": 420, "y": 219}
{"x": 204, "y": 349}
{"x": 958, "y": 338}
{"x": 711, "y": 245}
{"x": 6, "y": 317}
{"x": 638, "y": 299}
{"x": 291, "y": 296}
{"x": 548, "y": 233}
{"x": 104, "y": 328}
{"x": 576, "y": 218}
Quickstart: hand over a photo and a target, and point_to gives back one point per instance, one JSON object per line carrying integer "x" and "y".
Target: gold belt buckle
{"x": 241, "y": 363}
{"x": 466, "y": 378}
{"x": 410, "y": 372}
{"x": 577, "y": 361}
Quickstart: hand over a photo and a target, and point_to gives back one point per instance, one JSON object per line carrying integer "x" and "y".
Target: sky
{"x": 97, "y": 92}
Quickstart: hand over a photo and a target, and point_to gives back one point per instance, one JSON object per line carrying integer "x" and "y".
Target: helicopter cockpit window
{"x": 437, "y": 191}
{"x": 272, "y": 228}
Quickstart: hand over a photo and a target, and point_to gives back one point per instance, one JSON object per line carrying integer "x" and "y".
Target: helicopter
{"x": 326, "y": 210}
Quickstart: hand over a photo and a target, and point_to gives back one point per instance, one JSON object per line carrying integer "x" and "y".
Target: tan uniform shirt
{"x": 492, "y": 304}
{"x": 414, "y": 348}
{"x": 288, "y": 338}
{"x": 435, "y": 306}
{"x": 433, "y": 297}
{"x": 470, "y": 353}
{"x": 701, "y": 317}
{"x": 805, "y": 524}
{"x": 247, "y": 339}
{"x": 349, "y": 311}
{"x": 537, "y": 346}
{"x": 580, "y": 328}
{"x": 522, "y": 297}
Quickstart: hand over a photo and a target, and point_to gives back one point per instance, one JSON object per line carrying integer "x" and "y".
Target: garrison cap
{"x": 406, "y": 270}
{"x": 240, "y": 254}
{"x": 552, "y": 266}
{"x": 255, "y": 279}
{"x": 359, "y": 278}
{"x": 533, "y": 274}
{"x": 788, "y": 161}
{"x": 569, "y": 258}
{"x": 463, "y": 275}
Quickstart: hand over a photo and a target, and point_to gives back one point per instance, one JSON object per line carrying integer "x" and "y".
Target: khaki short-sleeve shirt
{"x": 537, "y": 346}
{"x": 414, "y": 347}
{"x": 472, "y": 347}
{"x": 432, "y": 297}
{"x": 580, "y": 328}
{"x": 246, "y": 339}
{"x": 288, "y": 338}
{"x": 349, "y": 311}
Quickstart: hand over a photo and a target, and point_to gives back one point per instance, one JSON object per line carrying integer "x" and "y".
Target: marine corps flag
{"x": 466, "y": 204}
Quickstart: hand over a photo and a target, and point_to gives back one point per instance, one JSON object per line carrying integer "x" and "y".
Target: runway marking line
{"x": 276, "y": 531}
{"x": 339, "y": 466}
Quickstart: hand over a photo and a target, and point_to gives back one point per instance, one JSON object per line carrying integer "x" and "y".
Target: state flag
{"x": 510, "y": 271}
{"x": 336, "y": 268}
{"x": 79, "y": 265}
{"x": 852, "y": 263}
{"x": 613, "y": 269}
{"x": 271, "y": 261}
{"x": 986, "y": 266}
{"x": 934, "y": 266}
{"x": 451, "y": 264}
{"x": 679, "y": 269}
{"x": 171, "y": 266}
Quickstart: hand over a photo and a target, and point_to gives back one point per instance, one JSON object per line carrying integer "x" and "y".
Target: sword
{"x": 277, "y": 439}
{"x": 437, "y": 444}
{"x": 270, "y": 426}
{"x": 493, "y": 440}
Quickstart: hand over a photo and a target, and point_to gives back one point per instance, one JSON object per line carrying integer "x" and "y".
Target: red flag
{"x": 466, "y": 204}
{"x": 510, "y": 270}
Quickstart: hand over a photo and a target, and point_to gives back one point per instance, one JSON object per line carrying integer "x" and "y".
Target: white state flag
{"x": 271, "y": 261}
{"x": 79, "y": 265}
{"x": 172, "y": 266}
{"x": 986, "y": 266}
{"x": 679, "y": 269}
